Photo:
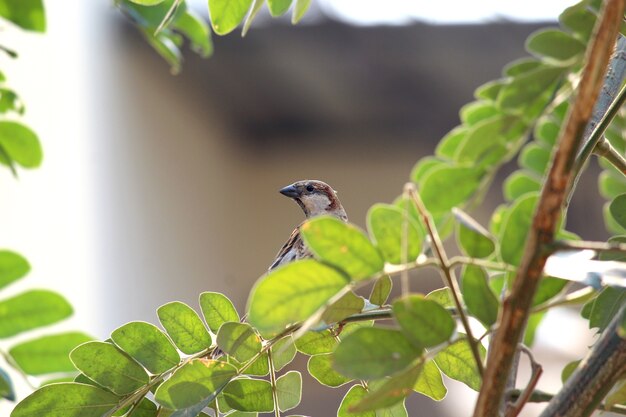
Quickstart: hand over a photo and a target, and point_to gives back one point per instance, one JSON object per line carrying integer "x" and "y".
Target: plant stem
{"x": 448, "y": 271}
{"x": 565, "y": 245}
{"x": 576, "y": 297}
{"x": 273, "y": 382}
{"x": 463, "y": 260}
{"x": 608, "y": 152}
{"x": 517, "y": 305}
{"x": 597, "y": 134}
{"x": 536, "y": 372}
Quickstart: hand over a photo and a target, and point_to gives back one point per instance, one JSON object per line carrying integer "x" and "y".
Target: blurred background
{"x": 157, "y": 187}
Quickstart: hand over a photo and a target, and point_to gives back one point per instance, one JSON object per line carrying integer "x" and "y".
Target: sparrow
{"x": 315, "y": 198}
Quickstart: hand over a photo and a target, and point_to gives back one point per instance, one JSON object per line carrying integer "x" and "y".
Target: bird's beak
{"x": 290, "y": 191}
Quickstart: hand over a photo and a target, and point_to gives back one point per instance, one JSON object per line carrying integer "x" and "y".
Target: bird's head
{"x": 315, "y": 198}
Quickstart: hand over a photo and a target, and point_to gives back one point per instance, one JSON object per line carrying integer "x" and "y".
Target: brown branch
{"x": 599, "y": 371}
{"x": 524, "y": 397}
{"x": 516, "y": 306}
{"x": 448, "y": 271}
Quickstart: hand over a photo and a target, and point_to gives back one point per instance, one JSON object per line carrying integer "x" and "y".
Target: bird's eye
{"x": 309, "y": 188}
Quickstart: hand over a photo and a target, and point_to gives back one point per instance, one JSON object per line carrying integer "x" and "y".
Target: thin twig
{"x": 565, "y": 245}
{"x": 516, "y": 307}
{"x": 577, "y": 297}
{"x": 608, "y": 152}
{"x": 448, "y": 272}
{"x": 536, "y": 371}
{"x": 270, "y": 359}
{"x": 464, "y": 260}
{"x": 614, "y": 80}
{"x": 404, "y": 244}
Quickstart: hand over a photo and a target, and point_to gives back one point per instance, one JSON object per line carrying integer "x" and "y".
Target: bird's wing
{"x": 288, "y": 252}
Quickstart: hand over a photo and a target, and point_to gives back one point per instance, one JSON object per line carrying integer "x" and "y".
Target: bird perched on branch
{"x": 315, "y": 198}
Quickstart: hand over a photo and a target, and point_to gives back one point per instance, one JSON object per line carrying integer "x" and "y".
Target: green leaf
{"x": 385, "y": 351}
{"x": 260, "y": 366}
{"x": 283, "y": 352}
{"x": 197, "y": 31}
{"x": 278, "y": 7}
{"x": 515, "y": 228}
{"x": 249, "y": 395}
{"x": 13, "y": 266}
{"x": 606, "y": 306}
{"x": 547, "y": 131}
{"x": 460, "y": 184}
{"x": 618, "y": 209}
{"x": 520, "y": 66}
{"x": 227, "y": 14}
{"x": 320, "y": 367}
{"x": 147, "y": 2}
{"x": 342, "y": 245}
{"x": 386, "y": 224}
{"x": 109, "y": 367}
{"x": 476, "y": 111}
{"x": 352, "y": 397}
{"x": 398, "y": 410}
{"x": 531, "y": 328}
{"x": 579, "y": 20}
{"x": 610, "y": 223}
{"x": 316, "y": 343}
{"x": 47, "y": 354}
{"x": 27, "y": 14}
{"x": 217, "y": 310}
{"x": 148, "y": 345}
{"x": 165, "y": 46}
{"x": 488, "y": 141}
{"x": 289, "y": 390}
{"x": 489, "y": 91}
{"x": 424, "y": 165}
{"x": 520, "y": 183}
{"x": 239, "y": 340}
{"x": 527, "y": 88}
{"x": 424, "y": 322}
{"x": 548, "y": 288}
{"x": 184, "y": 327}
{"x": 457, "y": 362}
{"x": 66, "y": 400}
{"x": 196, "y": 382}
{"x": 446, "y": 149}
{"x": 292, "y": 293}
{"x": 30, "y": 310}
{"x": 535, "y": 158}
{"x": 555, "y": 45}
{"x": 145, "y": 408}
{"x": 481, "y": 302}
{"x": 430, "y": 382}
{"x": 610, "y": 186}
{"x": 299, "y": 10}
{"x": 569, "y": 369}
{"x": 614, "y": 256}
{"x": 442, "y": 296}
{"x": 381, "y": 290}
{"x": 346, "y": 306}
{"x": 473, "y": 239}
{"x": 6, "y": 386}
{"x": 390, "y": 392}
{"x": 20, "y": 143}
{"x": 254, "y": 10}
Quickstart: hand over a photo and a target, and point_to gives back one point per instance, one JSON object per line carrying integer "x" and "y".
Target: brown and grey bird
{"x": 315, "y": 198}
